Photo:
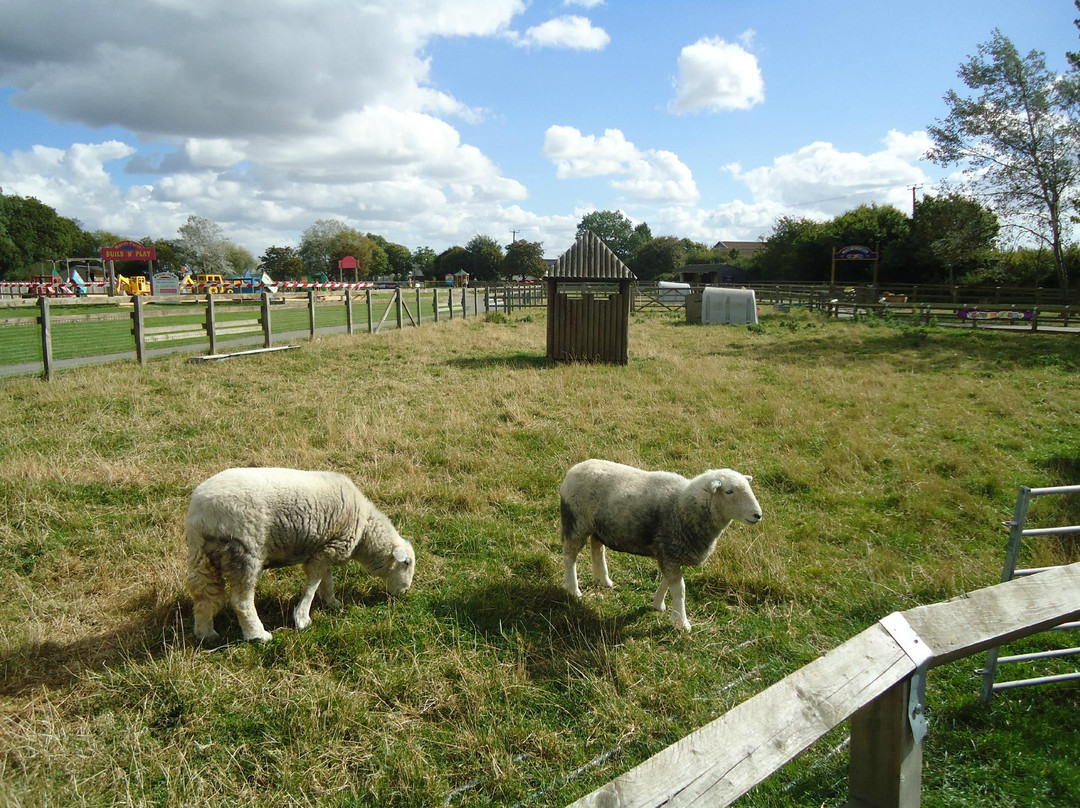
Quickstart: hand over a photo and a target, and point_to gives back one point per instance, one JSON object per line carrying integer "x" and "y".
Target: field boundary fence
{"x": 876, "y": 681}
{"x": 48, "y": 335}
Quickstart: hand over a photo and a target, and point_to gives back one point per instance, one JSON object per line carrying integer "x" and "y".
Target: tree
{"x": 423, "y": 261}
{"x": 452, "y": 260}
{"x": 315, "y": 248}
{"x": 168, "y": 253}
{"x": 485, "y": 258}
{"x": 365, "y": 250}
{"x": 30, "y": 232}
{"x": 1018, "y": 138}
{"x": 282, "y": 263}
{"x": 617, "y": 232}
{"x": 523, "y": 259}
{"x": 952, "y": 236}
{"x": 203, "y": 244}
{"x": 240, "y": 261}
{"x": 798, "y": 249}
{"x": 400, "y": 260}
{"x": 660, "y": 256}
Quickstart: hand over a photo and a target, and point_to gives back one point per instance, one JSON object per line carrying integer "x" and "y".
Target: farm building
{"x": 588, "y": 292}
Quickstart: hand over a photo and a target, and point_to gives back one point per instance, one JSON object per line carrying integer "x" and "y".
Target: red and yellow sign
{"x": 128, "y": 251}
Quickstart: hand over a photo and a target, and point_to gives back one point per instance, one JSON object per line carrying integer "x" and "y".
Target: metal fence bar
{"x": 1009, "y": 571}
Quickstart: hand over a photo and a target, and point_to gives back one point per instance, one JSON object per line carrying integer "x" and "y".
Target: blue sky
{"x": 431, "y": 121}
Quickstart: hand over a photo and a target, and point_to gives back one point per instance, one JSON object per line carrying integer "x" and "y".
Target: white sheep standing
{"x": 243, "y": 520}
{"x": 650, "y": 513}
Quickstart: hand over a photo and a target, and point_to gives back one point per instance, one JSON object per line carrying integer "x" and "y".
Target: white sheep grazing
{"x": 243, "y": 520}
{"x": 650, "y": 513}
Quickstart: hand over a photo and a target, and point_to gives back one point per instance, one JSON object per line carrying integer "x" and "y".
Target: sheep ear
{"x": 716, "y": 485}
{"x": 749, "y": 478}
{"x": 400, "y": 556}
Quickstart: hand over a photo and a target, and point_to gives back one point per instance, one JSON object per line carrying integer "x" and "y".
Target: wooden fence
{"x": 876, "y": 679}
{"x": 171, "y": 323}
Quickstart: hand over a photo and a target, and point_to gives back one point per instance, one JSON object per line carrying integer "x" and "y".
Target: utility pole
{"x": 913, "y": 189}
{"x": 514, "y": 234}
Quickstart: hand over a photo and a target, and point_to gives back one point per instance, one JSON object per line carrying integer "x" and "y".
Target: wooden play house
{"x": 588, "y": 294}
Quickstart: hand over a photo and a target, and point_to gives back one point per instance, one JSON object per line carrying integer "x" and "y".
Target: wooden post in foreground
{"x": 267, "y": 333}
{"x": 210, "y": 323}
{"x": 139, "y": 330}
{"x": 46, "y": 337}
{"x": 885, "y": 769}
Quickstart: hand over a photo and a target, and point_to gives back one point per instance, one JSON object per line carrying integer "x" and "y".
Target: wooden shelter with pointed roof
{"x": 588, "y": 293}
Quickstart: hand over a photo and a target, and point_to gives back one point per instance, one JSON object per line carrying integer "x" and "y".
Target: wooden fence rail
{"x": 189, "y": 323}
{"x": 876, "y": 679}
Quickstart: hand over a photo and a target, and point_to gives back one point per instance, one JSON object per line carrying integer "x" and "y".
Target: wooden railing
{"x": 876, "y": 680}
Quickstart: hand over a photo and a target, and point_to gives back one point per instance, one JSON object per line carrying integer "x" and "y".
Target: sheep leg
{"x": 242, "y": 598}
{"x": 599, "y": 564}
{"x": 570, "y": 582}
{"x": 207, "y": 589}
{"x": 672, "y": 578}
{"x": 326, "y": 591}
{"x": 316, "y": 572}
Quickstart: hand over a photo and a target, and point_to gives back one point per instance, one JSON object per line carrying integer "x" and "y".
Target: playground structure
{"x": 135, "y": 285}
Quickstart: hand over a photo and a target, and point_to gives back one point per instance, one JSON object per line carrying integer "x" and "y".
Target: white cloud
{"x": 572, "y": 32}
{"x": 650, "y": 176}
{"x": 584, "y": 3}
{"x": 715, "y": 75}
{"x": 576, "y": 155}
{"x": 262, "y": 116}
{"x": 824, "y": 181}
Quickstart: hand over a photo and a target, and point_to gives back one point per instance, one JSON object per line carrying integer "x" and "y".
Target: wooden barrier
{"x": 876, "y": 679}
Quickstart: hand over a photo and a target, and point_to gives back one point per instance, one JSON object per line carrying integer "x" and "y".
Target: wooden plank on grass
{"x": 727, "y": 757}
{"x": 215, "y": 357}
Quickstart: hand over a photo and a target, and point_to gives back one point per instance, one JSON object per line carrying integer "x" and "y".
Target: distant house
{"x": 711, "y": 274}
{"x": 744, "y": 249}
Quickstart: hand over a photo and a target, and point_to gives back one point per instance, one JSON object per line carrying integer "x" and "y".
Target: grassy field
{"x": 885, "y": 459}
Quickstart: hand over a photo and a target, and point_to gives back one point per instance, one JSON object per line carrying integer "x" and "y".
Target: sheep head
{"x": 733, "y": 497}
{"x": 399, "y": 577}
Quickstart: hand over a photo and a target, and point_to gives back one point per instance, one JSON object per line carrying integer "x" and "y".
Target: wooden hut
{"x": 588, "y": 293}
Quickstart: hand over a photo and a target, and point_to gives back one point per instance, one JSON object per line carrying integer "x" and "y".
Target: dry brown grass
{"x": 884, "y": 458}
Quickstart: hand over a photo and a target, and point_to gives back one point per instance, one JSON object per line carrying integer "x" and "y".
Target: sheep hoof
{"x": 207, "y": 636}
{"x": 333, "y": 603}
{"x": 607, "y": 583}
{"x": 261, "y": 636}
{"x": 576, "y": 592}
{"x": 680, "y": 623}
{"x": 302, "y": 621}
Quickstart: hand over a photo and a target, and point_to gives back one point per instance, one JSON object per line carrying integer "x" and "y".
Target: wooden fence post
{"x": 139, "y": 330}
{"x": 348, "y": 312}
{"x": 46, "y": 338}
{"x": 397, "y": 304}
{"x": 370, "y": 325}
{"x": 311, "y": 311}
{"x": 419, "y": 316}
{"x": 265, "y": 320}
{"x": 885, "y": 769}
{"x": 210, "y": 328}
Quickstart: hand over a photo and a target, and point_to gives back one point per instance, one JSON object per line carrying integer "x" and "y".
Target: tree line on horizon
{"x": 950, "y": 239}
{"x": 1015, "y": 135}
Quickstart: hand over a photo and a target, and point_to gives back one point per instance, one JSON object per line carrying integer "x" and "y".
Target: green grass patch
{"x": 885, "y": 458}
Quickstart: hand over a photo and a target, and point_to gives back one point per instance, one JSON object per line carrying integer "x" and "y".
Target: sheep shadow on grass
{"x": 551, "y": 628}
{"x": 156, "y": 626}
{"x": 519, "y": 360}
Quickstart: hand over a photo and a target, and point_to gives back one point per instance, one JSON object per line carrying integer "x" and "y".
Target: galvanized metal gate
{"x": 1017, "y": 532}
